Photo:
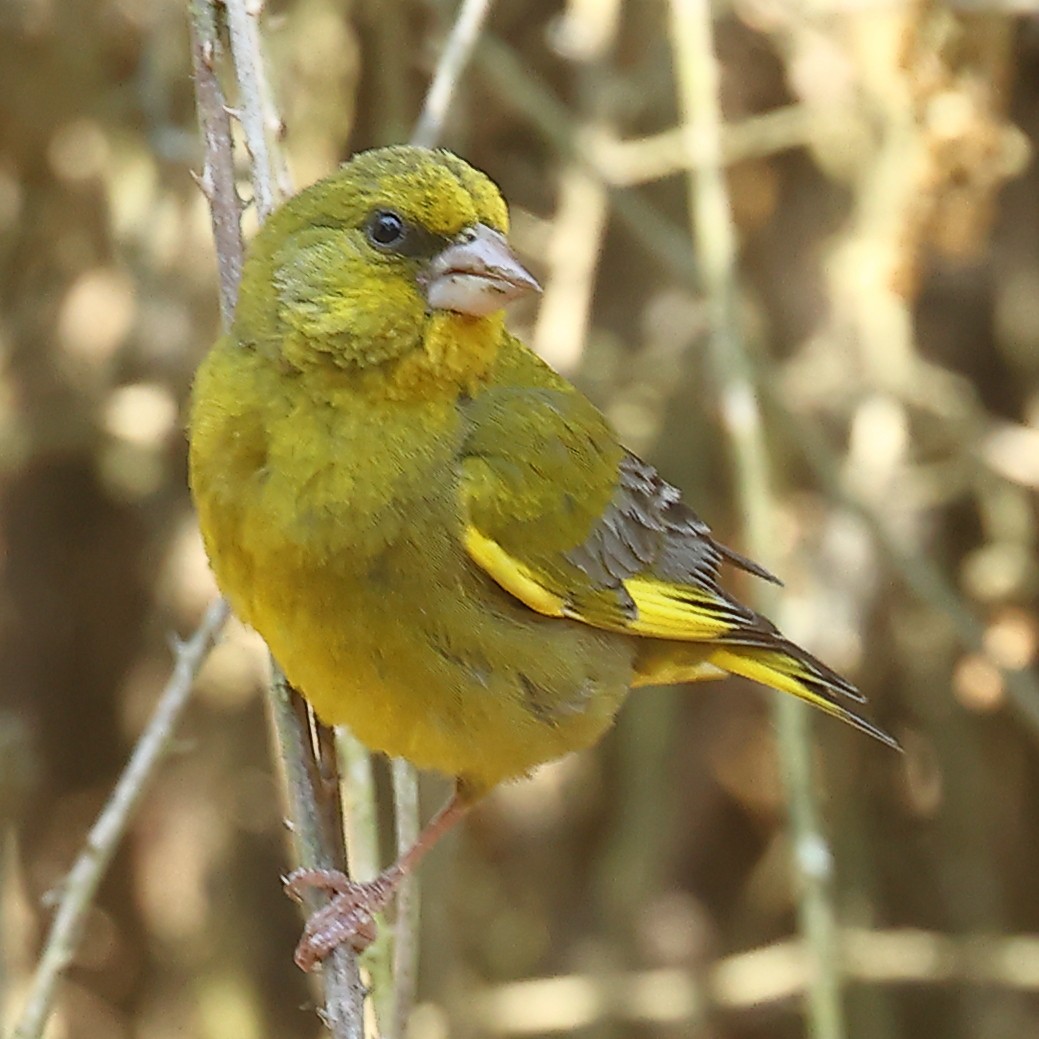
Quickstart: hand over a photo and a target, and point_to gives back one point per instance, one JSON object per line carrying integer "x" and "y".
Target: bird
{"x": 442, "y": 541}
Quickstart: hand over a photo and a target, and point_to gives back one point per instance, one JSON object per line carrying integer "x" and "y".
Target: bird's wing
{"x": 574, "y": 526}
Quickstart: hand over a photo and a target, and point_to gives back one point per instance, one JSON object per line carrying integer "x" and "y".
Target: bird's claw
{"x": 349, "y": 916}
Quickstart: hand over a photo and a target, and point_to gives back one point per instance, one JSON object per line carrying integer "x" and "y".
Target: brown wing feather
{"x": 648, "y": 528}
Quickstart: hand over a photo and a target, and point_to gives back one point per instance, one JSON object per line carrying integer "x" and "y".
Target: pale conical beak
{"x": 477, "y": 274}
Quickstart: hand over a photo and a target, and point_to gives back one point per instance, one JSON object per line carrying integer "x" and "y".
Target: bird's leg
{"x": 349, "y": 916}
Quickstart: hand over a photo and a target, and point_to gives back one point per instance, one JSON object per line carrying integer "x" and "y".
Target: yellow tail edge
{"x": 788, "y": 675}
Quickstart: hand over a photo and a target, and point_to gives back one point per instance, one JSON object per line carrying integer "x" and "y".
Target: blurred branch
{"x": 517, "y": 88}
{"x": 919, "y": 572}
{"x": 625, "y": 163}
{"x": 358, "y": 795}
{"x": 622, "y": 163}
{"x": 451, "y": 64}
{"x": 582, "y": 203}
{"x": 696, "y": 68}
{"x": 81, "y": 884}
{"x": 762, "y": 977}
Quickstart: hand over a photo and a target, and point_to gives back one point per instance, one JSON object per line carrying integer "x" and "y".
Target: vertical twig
{"x": 254, "y": 100}
{"x": 358, "y": 796}
{"x": 458, "y": 49}
{"x": 583, "y": 206}
{"x": 217, "y": 179}
{"x": 82, "y": 882}
{"x": 714, "y": 232}
{"x": 361, "y": 824}
{"x": 343, "y": 1012}
{"x": 406, "y": 945}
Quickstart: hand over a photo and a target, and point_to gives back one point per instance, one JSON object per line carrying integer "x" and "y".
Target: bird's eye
{"x": 386, "y": 229}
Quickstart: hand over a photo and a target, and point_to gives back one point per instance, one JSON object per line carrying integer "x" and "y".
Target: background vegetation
{"x": 887, "y": 214}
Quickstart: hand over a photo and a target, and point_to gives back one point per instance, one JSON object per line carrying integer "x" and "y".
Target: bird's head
{"x": 399, "y": 259}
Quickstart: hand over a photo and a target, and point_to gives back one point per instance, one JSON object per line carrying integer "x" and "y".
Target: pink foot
{"x": 349, "y": 917}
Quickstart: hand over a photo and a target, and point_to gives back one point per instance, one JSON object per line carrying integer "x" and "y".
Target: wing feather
{"x": 572, "y": 525}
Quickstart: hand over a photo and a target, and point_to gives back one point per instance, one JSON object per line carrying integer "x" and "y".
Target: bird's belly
{"x": 425, "y": 658}
{"x": 365, "y": 595}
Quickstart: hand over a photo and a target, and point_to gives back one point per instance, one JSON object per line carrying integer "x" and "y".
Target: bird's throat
{"x": 456, "y": 357}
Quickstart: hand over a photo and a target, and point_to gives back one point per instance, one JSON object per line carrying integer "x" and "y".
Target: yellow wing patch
{"x": 511, "y": 574}
{"x": 663, "y": 610}
{"x": 676, "y": 613}
{"x": 670, "y": 611}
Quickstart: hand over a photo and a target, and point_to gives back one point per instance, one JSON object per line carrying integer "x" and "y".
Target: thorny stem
{"x": 217, "y": 179}
{"x": 343, "y": 1010}
{"x": 254, "y": 98}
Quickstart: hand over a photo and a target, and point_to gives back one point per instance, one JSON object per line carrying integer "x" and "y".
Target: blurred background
{"x": 887, "y": 210}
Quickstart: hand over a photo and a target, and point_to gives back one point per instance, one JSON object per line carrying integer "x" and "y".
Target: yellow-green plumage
{"x": 440, "y": 539}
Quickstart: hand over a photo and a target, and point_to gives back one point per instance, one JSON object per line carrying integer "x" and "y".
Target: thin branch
{"x": 82, "y": 882}
{"x": 256, "y": 107}
{"x": 406, "y": 945}
{"x": 714, "y": 231}
{"x": 452, "y": 63}
{"x": 625, "y": 163}
{"x": 343, "y": 1012}
{"x": 358, "y": 795}
{"x": 361, "y": 826}
{"x": 583, "y": 204}
{"x": 217, "y": 179}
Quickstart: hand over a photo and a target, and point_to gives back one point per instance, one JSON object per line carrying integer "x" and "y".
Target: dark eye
{"x": 386, "y": 229}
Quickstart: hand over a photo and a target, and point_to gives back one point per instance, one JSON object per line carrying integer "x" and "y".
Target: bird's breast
{"x": 333, "y": 526}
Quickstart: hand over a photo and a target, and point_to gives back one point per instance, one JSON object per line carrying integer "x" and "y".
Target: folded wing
{"x": 572, "y": 525}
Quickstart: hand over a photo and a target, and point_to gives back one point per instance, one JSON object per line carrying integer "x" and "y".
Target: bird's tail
{"x": 780, "y": 664}
{"x": 802, "y": 675}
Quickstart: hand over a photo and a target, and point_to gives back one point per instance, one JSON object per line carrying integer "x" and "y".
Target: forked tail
{"x": 763, "y": 656}
{"x": 801, "y": 675}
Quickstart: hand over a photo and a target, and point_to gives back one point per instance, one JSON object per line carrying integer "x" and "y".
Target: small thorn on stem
{"x": 173, "y": 640}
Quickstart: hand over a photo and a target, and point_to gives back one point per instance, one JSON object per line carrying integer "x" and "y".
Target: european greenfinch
{"x": 441, "y": 540}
